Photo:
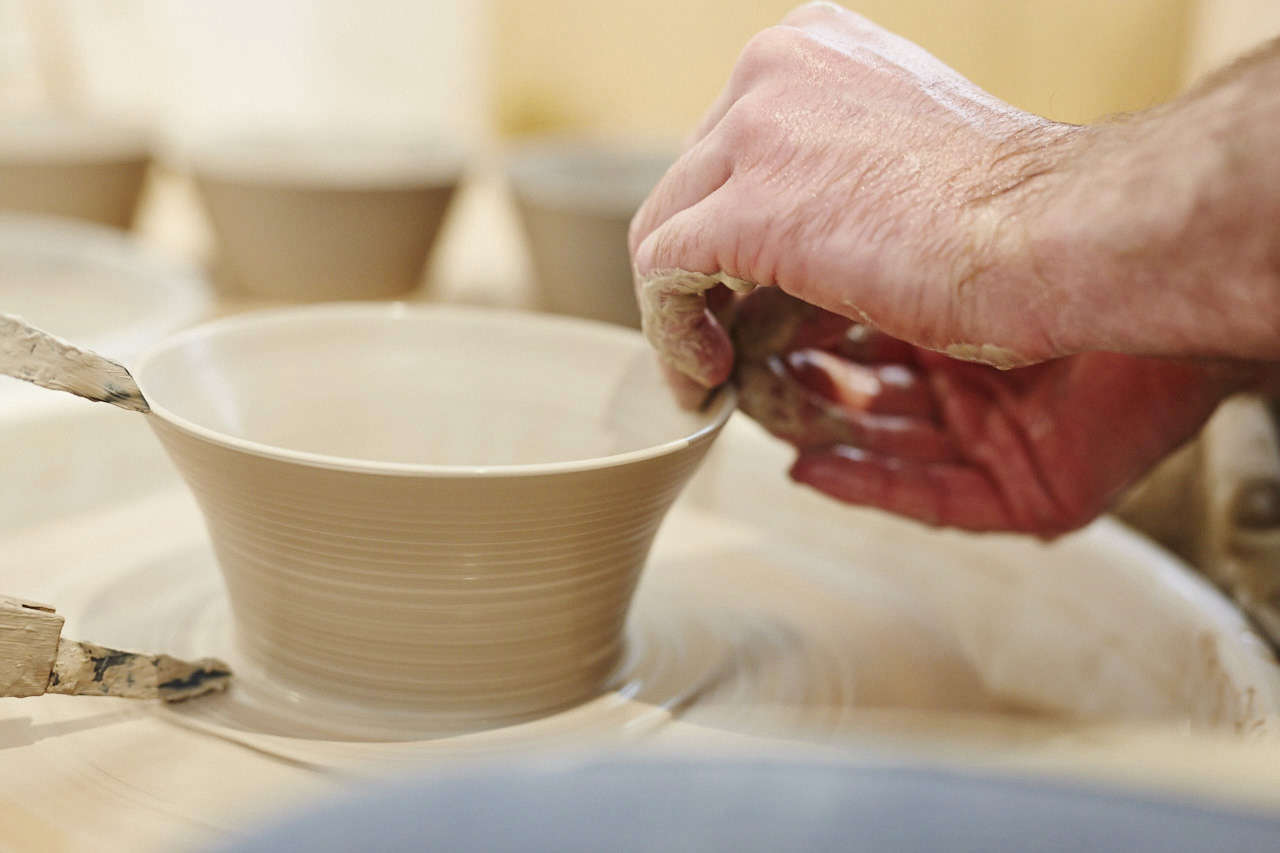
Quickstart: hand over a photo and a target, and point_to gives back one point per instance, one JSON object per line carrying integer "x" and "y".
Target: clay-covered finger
{"x": 680, "y": 326}
{"x": 880, "y": 388}
{"x": 938, "y": 494}
{"x": 675, "y": 266}
{"x": 790, "y": 411}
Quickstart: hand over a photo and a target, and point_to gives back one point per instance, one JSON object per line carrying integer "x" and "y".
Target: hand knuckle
{"x": 767, "y": 50}
{"x": 746, "y": 127}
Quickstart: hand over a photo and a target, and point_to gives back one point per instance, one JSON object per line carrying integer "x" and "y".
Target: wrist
{"x": 1156, "y": 235}
{"x": 1018, "y": 280}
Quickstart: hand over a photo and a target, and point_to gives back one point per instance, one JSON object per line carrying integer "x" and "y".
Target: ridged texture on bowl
{"x": 485, "y": 597}
{"x": 314, "y": 243}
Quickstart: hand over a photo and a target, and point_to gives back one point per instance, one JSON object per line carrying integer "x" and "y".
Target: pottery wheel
{"x": 736, "y": 626}
{"x": 714, "y": 626}
{"x": 767, "y": 616}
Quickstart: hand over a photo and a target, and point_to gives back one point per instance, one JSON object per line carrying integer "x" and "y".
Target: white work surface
{"x": 769, "y": 620}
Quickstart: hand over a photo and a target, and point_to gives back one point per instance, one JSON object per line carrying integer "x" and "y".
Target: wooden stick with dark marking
{"x": 34, "y": 659}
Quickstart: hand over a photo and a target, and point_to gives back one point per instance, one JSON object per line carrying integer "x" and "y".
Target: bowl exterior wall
{"x": 493, "y": 598}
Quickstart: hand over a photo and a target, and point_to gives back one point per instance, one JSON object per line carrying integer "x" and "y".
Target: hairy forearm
{"x": 1160, "y": 232}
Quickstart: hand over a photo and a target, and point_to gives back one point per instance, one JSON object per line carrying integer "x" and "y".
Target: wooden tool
{"x": 35, "y": 659}
{"x": 43, "y": 359}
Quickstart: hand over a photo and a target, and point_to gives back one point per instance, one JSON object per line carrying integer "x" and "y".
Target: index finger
{"x": 680, "y": 326}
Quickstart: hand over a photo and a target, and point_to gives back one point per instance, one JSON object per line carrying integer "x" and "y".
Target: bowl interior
{"x": 424, "y": 386}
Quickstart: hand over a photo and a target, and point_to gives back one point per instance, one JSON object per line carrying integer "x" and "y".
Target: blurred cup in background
{"x": 76, "y": 167}
{"x": 576, "y": 197}
{"x": 312, "y": 215}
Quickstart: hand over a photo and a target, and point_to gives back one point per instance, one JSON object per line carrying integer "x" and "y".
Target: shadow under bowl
{"x": 427, "y": 508}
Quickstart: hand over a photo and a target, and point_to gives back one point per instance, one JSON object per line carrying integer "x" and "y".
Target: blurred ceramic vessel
{"x": 79, "y": 168}
{"x": 423, "y": 508}
{"x": 314, "y": 216}
{"x": 576, "y": 199}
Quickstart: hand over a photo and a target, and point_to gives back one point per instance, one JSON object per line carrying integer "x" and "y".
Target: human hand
{"x": 1041, "y": 449}
{"x": 855, "y": 171}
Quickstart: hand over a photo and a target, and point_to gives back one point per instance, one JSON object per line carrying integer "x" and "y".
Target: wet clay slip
{"x": 426, "y": 508}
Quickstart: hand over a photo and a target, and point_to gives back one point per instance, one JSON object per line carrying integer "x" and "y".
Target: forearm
{"x": 1160, "y": 233}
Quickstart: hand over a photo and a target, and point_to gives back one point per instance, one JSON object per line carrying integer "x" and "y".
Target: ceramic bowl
{"x": 422, "y": 507}
{"x": 576, "y": 199}
{"x": 79, "y": 168}
{"x": 313, "y": 217}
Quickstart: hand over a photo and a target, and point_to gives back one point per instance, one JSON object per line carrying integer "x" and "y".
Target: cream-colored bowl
{"x": 313, "y": 217}
{"x": 576, "y": 199}
{"x": 427, "y": 508}
{"x": 78, "y": 168}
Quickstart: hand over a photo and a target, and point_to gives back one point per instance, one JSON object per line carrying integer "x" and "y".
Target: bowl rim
{"x": 720, "y": 407}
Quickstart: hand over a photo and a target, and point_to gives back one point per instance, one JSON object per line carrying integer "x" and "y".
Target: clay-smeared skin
{"x": 1041, "y": 449}
{"x": 675, "y": 315}
{"x": 851, "y": 169}
{"x": 837, "y": 166}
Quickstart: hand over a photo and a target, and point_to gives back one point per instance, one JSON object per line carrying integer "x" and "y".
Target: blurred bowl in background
{"x": 576, "y": 198}
{"x": 426, "y": 510}
{"x": 314, "y": 216}
{"x": 76, "y": 167}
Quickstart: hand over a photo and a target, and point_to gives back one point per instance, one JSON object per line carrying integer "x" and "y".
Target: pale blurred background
{"x": 485, "y": 69}
{"x": 486, "y": 72}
